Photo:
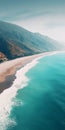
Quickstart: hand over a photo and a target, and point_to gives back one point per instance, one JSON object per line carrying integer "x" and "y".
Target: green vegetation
{"x": 17, "y": 42}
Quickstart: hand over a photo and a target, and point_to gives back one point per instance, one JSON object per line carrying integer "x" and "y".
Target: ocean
{"x": 40, "y": 103}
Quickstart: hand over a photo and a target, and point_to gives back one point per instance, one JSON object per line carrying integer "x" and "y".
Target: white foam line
{"x": 6, "y": 97}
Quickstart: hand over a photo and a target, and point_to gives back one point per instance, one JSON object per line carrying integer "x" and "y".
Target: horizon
{"x": 45, "y": 17}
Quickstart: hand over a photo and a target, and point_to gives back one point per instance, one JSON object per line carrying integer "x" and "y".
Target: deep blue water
{"x": 43, "y": 99}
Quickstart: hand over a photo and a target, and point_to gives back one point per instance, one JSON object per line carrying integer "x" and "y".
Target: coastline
{"x": 21, "y": 81}
{"x": 9, "y": 69}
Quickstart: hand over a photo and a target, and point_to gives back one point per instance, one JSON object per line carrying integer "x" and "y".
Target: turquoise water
{"x": 43, "y": 100}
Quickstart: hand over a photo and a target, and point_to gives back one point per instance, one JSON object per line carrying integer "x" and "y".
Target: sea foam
{"x": 6, "y": 98}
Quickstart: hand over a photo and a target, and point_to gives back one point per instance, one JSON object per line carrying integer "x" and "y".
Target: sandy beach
{"x": 8, "y": 69}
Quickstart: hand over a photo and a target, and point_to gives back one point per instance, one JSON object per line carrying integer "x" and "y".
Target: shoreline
{"x": 8, "y": 74}
{"x": 7, "y": 97}
{"x": 10, "y": 68}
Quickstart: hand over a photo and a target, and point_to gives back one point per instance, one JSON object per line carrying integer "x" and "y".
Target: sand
{"x": 8, "y": 69}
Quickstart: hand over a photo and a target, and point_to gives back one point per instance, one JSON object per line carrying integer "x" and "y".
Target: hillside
{"x": 2, "y": 57}
{"x": 17, "y": 42}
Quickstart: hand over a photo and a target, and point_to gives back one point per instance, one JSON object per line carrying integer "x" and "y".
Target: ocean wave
{"x": 7, "y": 100}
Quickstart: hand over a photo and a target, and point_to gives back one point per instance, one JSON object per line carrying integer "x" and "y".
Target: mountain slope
{"x": 16, "y": 42}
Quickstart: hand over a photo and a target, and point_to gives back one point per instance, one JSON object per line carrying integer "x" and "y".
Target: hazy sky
{"x": 43, "y": 16}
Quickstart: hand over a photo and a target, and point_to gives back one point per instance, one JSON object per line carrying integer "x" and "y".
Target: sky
{"x": 44, "y": 16}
